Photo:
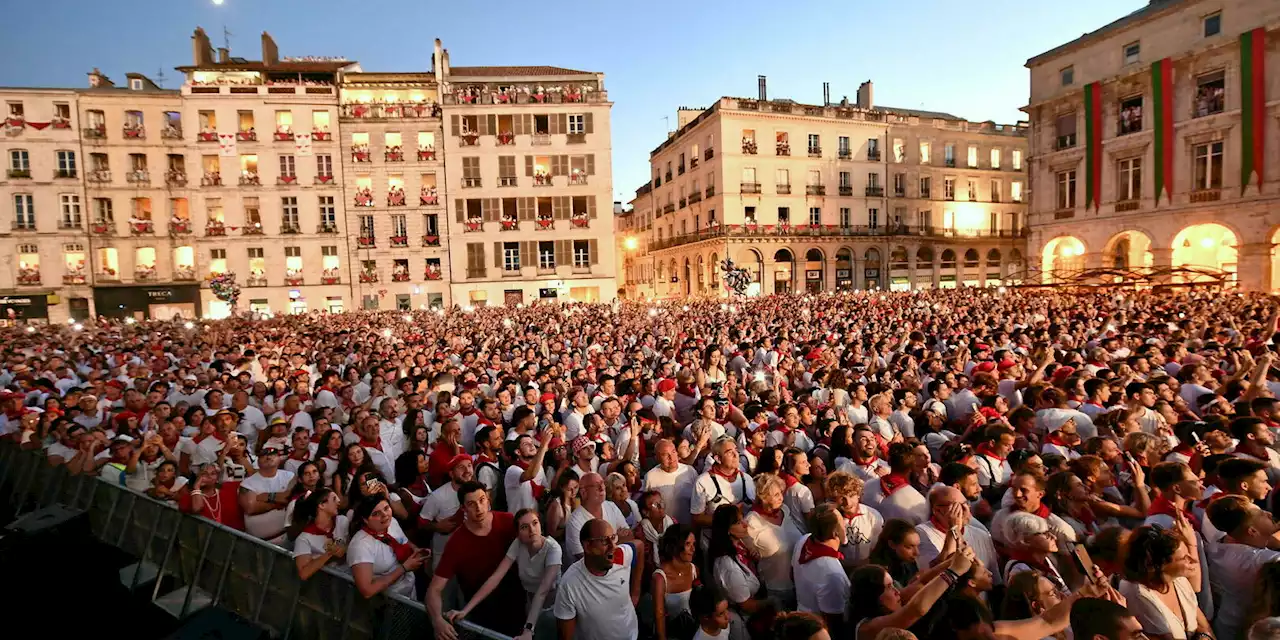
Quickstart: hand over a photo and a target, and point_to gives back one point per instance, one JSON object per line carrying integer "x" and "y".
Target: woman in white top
{"x": 771, "y": 536}
{"x": 329, "y": 453}
{"x": 319, "y": 533}
{"x": 380, "y": 555}
{"x": 1156, "y": 586}
{"x": 713, "y": 371}
{"x": 168, "y": 485}
{"x": 537, "y": 559}
{"x": 1031, "y": 545}
{"x": 620, "y": 495}
{"x": 733, "y": 568}
{"x": 673, "y": 582}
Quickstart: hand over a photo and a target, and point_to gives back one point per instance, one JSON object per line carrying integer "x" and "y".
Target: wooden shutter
{"x": 487, "y": 212}
{"x": 557, "y": 165}
{"x": 497, "y": 256}
{"x": 559, "y": 208}
{"x": 453, "y": 125}
{"x": 587, "y": 125}
{"x": 459, "y": 208}
{"x": 563, "y": 252}
{"x": 528, "y": 166}
{"x": 591, "y": 164}
{"x": 591, "y": 207}
{"x": 528, "y": 253}
{"x": 593, "y": 251}
{"x": 524, "y": 208}
{"x": 554, "y": 124}
{"x": 489, "y": 125}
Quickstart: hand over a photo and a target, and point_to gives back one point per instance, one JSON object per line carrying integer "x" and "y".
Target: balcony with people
{"x": 505, "y": 93}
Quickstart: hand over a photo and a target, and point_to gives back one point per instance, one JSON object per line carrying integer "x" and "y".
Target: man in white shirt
{"x": 948, "y": 509}
{"x": 673, "y": 479}
{"x": 724, "y": 483}
{"x": 994, "y": 471}
{"x": 892, "y": 494}
{"x": 440, "y": 514}
{"x": 597, "y": 595}
{"x": 390, "y": 430}
{"x": 1238, "y": 558}
{"x": 525, "y": 480}
{"x": 822, "y": 585}
{"x": 252, "y": 422}
{"x": 664, "y": 403}
{"x": 575, "y": 417}
{"x": 862, "y": 524}
{"x": 1027, "y": 490}
{"x": 594, "y": 507}
{"x": 265, "y": 495}
{"x": 788, "y": 432}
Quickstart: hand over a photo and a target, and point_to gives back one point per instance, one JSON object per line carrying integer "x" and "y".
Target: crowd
{"x": 866, "y": 465}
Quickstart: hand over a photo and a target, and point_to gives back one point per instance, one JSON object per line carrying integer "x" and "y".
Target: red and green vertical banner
{"x": 1092, "y": 145}
{"x": 1253, "y": 104}
{"x": 1162, "y": 106}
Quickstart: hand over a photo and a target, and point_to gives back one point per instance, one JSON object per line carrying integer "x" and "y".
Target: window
{"x": 926, "y": 184}
{"x": 66, "y": 164}
{"x": 949, "y": 155}
{"x": 399, "y": 225}
{"x": 783, "y": 177}
{"x": 1208, "y": 165}
{"x": 366, "y": 227}
{"x": 24, "y": 211}
{"x": 1068, "y": 76}
{"x": 846, "y": 180}
{"x": 1132, "y": 53}
{"x": 873, "y": 218}
{"x": 577, "y": 124}
{"x": 995, "y": 158}
{"x": 324, "y": 165}
{"x": 16, "y": 110}
{"x": 1066, "y": 189}
{"x": 784, "y": 215}
{"x": 900, "y": 184}
{"x": 973, "y": 157}
{"x": 102, "y": 210}
{"x": 815, "y": 144}
{"x": 511, "y": 256}
{"x": 748, "y": 214}
{"x": 1131, "y": 115}
{"x": 873, "y": 149}
{"x": 431, "y": 223}
{"x": 287, "y": 169}
{"x": 284, "y": 121}
{"x": 1016, "y": 160}
{"x": 70, "y": 209}
{"x": 329, "y": 260}
{"x": 582, "y": 254}
{"x": 1015, "y": 191}
{"x": 1212, "y": 24}
{"x": 217, "y": 261}
{"x": 815, "y": 216}
{"x": 252, "y": 217}
{"x": 843, "y": 145}
{"x": 289, "y": 212}
{"x": 19, "y": 160}
{"x": 1211, "y": 94}
{"x": 1129, "y": 185}
{"x": 873, "y": 181}
{"x": 995, "y": 191}
{"x": 924, "y": 153}
{"x": 899, "y": 150}
{"x": 471, "y": 172}
{"x": 949, "y": 188}
{"x": 846, "y": 217}
{"x": 973, "y": 190}
{"x": 815, "y": 177}
{"x": 547, "y": 254}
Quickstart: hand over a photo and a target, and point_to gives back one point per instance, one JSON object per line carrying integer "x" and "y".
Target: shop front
{"x": 146, "y": 303}
{"x": 33, "y": 308}
{"x": 872, "y": 277}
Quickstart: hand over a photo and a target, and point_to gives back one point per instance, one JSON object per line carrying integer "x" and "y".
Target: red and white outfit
{"x": 822, "y": 586}
{"x": 384, "y": 553}
{"x": 600, "y": 605}
{"x": 894, "y": 497}
{"x": 522, "y": 495}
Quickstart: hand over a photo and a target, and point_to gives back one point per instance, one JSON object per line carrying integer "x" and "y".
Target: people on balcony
{"x": 29, "y": 275}
{"x": 541, "y": 177}
{"x": 429, "y": 195}
{"x": 144, "y": 271}
{"x": 395, "y": 196}
{"x": 426, "y": 152}
{"x": 364, "y": 197}
{"x": 360, "y": 153}
{"x": 291, "y": 275}
{"x": 433, "y": 271}
{"x": 184, "y": 272}
{"x": 250, "y": 178}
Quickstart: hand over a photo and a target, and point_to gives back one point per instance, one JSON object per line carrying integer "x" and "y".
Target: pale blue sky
{"x": 943, "y": 55}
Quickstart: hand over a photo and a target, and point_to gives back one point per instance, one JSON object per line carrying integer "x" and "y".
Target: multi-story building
{"x": 631, "y": 227}
{"x": 42, "y": 245}
{"x": 834, "y": 196}
{"x": 527, "y": 165}
{"x": 1148, "y": 146}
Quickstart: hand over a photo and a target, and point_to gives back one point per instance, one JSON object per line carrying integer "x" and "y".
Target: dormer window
{"x": 135, "y": 84}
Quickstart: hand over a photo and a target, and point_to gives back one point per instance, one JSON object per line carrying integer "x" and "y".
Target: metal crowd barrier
{"x": 186, "y": 563}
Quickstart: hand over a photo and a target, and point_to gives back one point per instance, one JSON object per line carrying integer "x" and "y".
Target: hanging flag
{"x": 302, "y": 142}
{"x": 227, "y": 145}
{"x": 1092, "y": 145}
{"x": 39, "y": 126}
{"x": 1162, "y": 106}
{"x": 1253, "y": 93}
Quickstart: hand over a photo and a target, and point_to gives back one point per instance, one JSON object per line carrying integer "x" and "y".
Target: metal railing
{"x": 189, "y": 563}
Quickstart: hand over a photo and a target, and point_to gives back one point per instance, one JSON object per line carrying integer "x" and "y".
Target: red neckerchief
{"x": 402, "y": 550}
{"x": 484, "y": 422}
{"x": 14, "y": 415}
{"x": 986, "y": 450}
{"x": 315, "y": 530}
{"x": 1042, "y": 511}
{"x": 812, "y": 550}
{"x": 745, "y": 558}
{"x": 789, "y": 479}
{"x": 753, "y": 451}
{"x": 688, "y": 390}
{"x": 768, "y": 514}
{"x": 1054, "y": 438}
{"x": 324, "y": 388}
{"x": 1204, "y": 504}
{"x": 468, "y": 412}
{"x": 484, "y": 457}
{"x": 289, "y": 415}
{"x": 304, "y": 452}
{"x": 891, "y": 483}
{"x": 536, "y": 488}
{"x": 377, "y": 444}
{"x": 1163, "y": 506}
{"x": 731, "y": 478}
{"x": 783, "y": 429}
{"x": 940, "y": 526}
{"x": 1088, "y": 519}
{"x": 869, "y": 465}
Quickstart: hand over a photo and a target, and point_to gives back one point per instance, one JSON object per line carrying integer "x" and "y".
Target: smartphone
{"x": 1084, "y": 563}
{"x": 1195, "y": 436}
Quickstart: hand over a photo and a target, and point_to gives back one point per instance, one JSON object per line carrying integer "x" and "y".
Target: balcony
{"x": 782, "y": 149}
{"x": 258, "y": 280}
{"x": 73, "y": 278}
{"x": 253, "y": 229}
{"x": 472, "y": 183}
{"x": 321, "y": 136}
{"x": 141, "y": 227}
{"x": 431, "y": 240}
{"x": 711, "y": 191}
{"x": 98, "y": 132}
{"x": 102, "y": 228}
{"x": 782, "y": 189}
{"x": 145, "y": 273}
{"x": 185, "y": 272}
{"x": 400, "y": 277}
{"x": 1206, "y": 195}
{"x": 394, "y": 154}
{"x": 323, "y": 179}
{"x": 815, "y": 152}
{"x": 510, "y": 224}
{"x": 367, "y": 241}
{"x": 693, "y": 163}
{"x": 19, "y": 174}
{"x": 179, "y": 227}
{"x": 541, "y": 180}
{"x": 65, "y": 173}
{"x": 473, "y": 225}
{"x": 473, "y": 274}
{"x": 505, "y": 138}
{"x": 395, "y": 197}
{"x": 709, "y": 153}
{"x": 361, "y": 154}
{"x": 428, "y": 196}
{"x": 215, "y": 228}
{"x": 250, "y": 179}
{"x": 902, "y": 193}
{"x": 873, "y": 156}
{"x": 433, "y": 272}
{"x": 170, "y": 132}
{"x": 327, "y": 227}
{"x": 29, "y": 277}
{"x": 211, "y": 180}
{"x": 290, "y": 229}
{"x": 399, "y": 242}
{"x": 1127, "y": 205}
{"x": 23, "y": 225}
{"x": 950, "y": 163}
{"x": 1062, "y": 142}
{"x": 96, "y": 176}
{"x": 175, "y": 178}
{"x": 875, "y": 192}
{"x": 540, "y": 139}
{"x": 61, "y": 123}
{"x": 368, "y": 277}
{"x": 846, "y": 190}
{"x": 282, "y": 136}
{"x": 286, "y": 180}
{"x": 575, "y": 138}
{"x": 749, "y": 147}
{"x": 750, "y": 187}
{"x": 469, "y": 139}
{"x": 140, "y": 176}
{"x": 815, "y": 190}
{"x": 507, "y": 181}
{"x": 207, "y": 136}
{"x": 695, "y": 197}
{"x": 578, "y": 178}
{"x": 684, "y": 202}
{"x": 389, "y": 110}
{"x": 668, "y": 176}
{"x": 844, "y": 154}
{"x": 669, "y": 208}
{"x": 924, "y": 194}
{"x": 108, "y": 275}
{"x": 426, "y": 154}
{"x": 680, "y": 170}
{"x": 247, "y": 136}
{"x": 364, "y": 198}
{"x": 330, "y": 276}
{"x": 292, "y": 278}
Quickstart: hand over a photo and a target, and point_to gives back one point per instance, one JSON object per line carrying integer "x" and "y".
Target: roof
{"x": 1153, "y": 7}
{"x": 279, "y": 67}
{"x": 919, "y": 113}
{"x": 502, "y": 72}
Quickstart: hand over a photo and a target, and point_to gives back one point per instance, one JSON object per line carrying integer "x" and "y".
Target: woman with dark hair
{"x": 1067, "y": 498}
{"x": 420, "y": 438}
{"x": 1030, "y": 594}
{"x": 411, "y": 421}
{"x": 167, "y": 485}
{"x": 733, "y": 569}
{"x": 896, "y": 550}
{"x": 328, "y": 452}
{"x": 816, "y": 478}
{"x": 878, "y": 604}
{"x": 770, "y": 461}
{"x": 672, "y": 583}
{"x": 369, "y": 484}
{"x": 411, "y": 479}
{"x": 380, "y": 555}
{"x": 1156, "y": 564}
{"x": 799, "y": 625}
{"x": 841, "y": 446}
{"x": 308, "y": 480}
{"x": 354, "y": 461}
{"x": 319, "y": 534}
{"x": 561, "y": 501}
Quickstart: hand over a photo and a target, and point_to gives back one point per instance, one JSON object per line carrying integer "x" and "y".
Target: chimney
{"x": 270, "y": 53}
{"x": 445, "y": 63}
{"x": 98, "y": 80}
{"x": 865, "y": 96}
{"x": 201, "y": 49}
{"x": 436, "y": 60}
{"x": 760, "y": 83}
{"x": 826, "y": 93}
{"x": 224, "y": 55}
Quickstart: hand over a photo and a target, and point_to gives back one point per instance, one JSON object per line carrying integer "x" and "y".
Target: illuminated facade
{"x": 1148, "y": 144}
{"x": 834, "y": 197}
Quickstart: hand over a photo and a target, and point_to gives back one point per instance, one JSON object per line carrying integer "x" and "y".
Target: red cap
{"x": 457, "y": 460}
{"x": 546, "y": 396}
{"x": 115, "y": 383}
{"x": 1005, "y": 365}
{"x": 814, "y": 354}
{"x": 580, "y": 442}
{"x": 667, "y": 384}
{"x": 985, "y": 367}
{"x": 1062, "y": 373}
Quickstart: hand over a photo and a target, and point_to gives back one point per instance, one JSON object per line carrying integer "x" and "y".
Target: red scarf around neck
{"x": 745, "y": 557}
{"x": 536, "y": 488}
{"x": 986, "y": 450}
{"x": 1042, "y": 511}
{"x": 813, "y": 550}
{"x": 768, "y": 514}
{"x": 733, "y": 477}
{"x": 1027, "y": 557}
{"x": 402, "y": 550}
{"x": 1055, "y": 438}
{"x": 314, "y": 529}
{"x": 1164, "y": 507}
{"x": 891, "y": 483}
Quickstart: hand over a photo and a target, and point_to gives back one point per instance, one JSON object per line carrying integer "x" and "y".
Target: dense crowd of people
{"x": 969, "y": 463}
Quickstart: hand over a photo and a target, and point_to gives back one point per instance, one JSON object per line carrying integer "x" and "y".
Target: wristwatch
{"x": 528, "y": 626}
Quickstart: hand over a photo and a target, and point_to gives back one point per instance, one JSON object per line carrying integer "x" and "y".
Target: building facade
{"x": 1149, "y": 146}
{"x": 829, "y": 197}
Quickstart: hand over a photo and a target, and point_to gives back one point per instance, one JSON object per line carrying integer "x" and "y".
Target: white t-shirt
{"x": 712, "y": 490}
{"x": 532, "y": 567}
{"x": 271, "y": 524}
{"x": 739, "y": 583}
{"x": 310, "y": 544}
{"x": 251, "y": 423}
{"x": 931, "y": 541}
{"x": 364, "y": 549}
{"x": 601, "y": 605}
{"x": 520, "y": 494}
{"x": 1155, "y": 617}
{"x": 867, "y": 472}
{"x": 822, "y": 586}
{"x": 441, "y": 504}
{"x": 580, "y": 517}
{"x": 676, "y": 488}
{"x": 798, "y": 498}
{"x": 1235, "y": 578}
{"x": 861, "y": 533}
{"x": 773, "y": 543}
{"x": 992, "y": 472}
{"x": 906, "y": 503}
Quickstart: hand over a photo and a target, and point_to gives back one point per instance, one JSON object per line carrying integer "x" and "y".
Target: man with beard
{"x": 439, "y": 514}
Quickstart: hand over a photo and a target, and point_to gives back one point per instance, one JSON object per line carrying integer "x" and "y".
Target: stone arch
{"x": 971, "y": 258}
{"x": 715, "y": 272}
{"x": 948, "y": 259}
{"x": 1129, "y": 249}
{"x": 784, "y": 270}
{"x": 1208, "y": 245}
{"x": 1062, "y": 255}
{"x": 993, "y": 257}
{"x": 701, "y": 274}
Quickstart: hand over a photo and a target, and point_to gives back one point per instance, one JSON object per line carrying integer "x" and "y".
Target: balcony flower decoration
{"x": 250, "y": 178}
{"x": 144, "y": 272}
{"x": 171, "y": 132}
{"x": 283, "y": 135}
{"x": 184, "y": 272}
{"x": 545, "y": 220}
{"x": 134, "y": 130}
{"x": 140, "y": 226}
{"x": 321, "y": 135}
{"x": 506, "y": 137}
{"x": 248, "y": 135}
{"x": 360, "y": 153}
{"x": 399, "y": 241}
{"x": 224, "y": 287}
{"x": 395, "y": 197}
{"x": 394, "y": 154}
{"x": 61, "y": 123}
{"x": 429, "y": 196}
{"x": 510, "y": 222}
{"x": 288, "y": 178}
{"x": 324, "y": 178}
{"x": 470, "y": 137}
{"x": 580, "y": 219}
{"x": 329, "y": 276}
{"x": 93, "y": 131}
{"x": 179, "y": 225}
{"x": 367, "y": 241}
{"x": 400, "y": 273}
{"x": 539, "y": 94}
{"x": 176, "y": 177}
{"x": 475, "y": 223}
{"x": 293, "y": 277}
{"x": 207, "y": 135}
{"x": 257, "y": 278}
{"x": 426, "y": 152}
{"x": 212, "y": 179}
{"x": 541, "y": 178}
{"x": 368, "y": 275}
{"x": 431, "y": 240}
{"x": 433, "y": 272}
{"x": 101, "y": 227}
{"x": 28, "y": 275}
{"x": 364, "y": 197}
{"x": 215, "y": 228}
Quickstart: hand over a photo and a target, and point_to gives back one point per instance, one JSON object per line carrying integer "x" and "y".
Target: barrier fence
{"x": 186, "y": 563}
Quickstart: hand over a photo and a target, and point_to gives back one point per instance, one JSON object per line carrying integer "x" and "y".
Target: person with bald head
{"x": 594, "y": 506}
{"x": 673, "y": 479}
{"x": 948, "y": 509}
{"x": 598, "y": 594}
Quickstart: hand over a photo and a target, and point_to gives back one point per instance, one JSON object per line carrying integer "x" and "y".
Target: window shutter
{"x": 490, "y": 125}
{"x": 528, "y": 166}
{"x": 459, "y": 208}
{"x": 591, "y": 164}
{"x": 486, "y": 210}
{"x": 559, "y": 210}
{"x": 527, "y": 250}
{"x": 557, "y": 165}
{"x": 497, "y": 256}
{"x": 593, "y": 251}
{"x": 587, "y": 125}
{"x": 453, "y": 124}
{"x": 553, "y": 124}
{"x": 524, "y": 208}
{"x": 591, "y": 207}
{"x": 562, "y": 252}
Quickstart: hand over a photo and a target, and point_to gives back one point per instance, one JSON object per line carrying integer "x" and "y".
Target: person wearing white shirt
{"x": 525, "y": 479}
{"x": 264, "y": 497}
{"x": 594, "y": 507}
{"x": 672, "y": 479}
{"x": 723, "y": 483}
{"x": 862, "y": 524}
{"x": 575, "y": 418}
{"x": 948, "y": 508}
{"x": 664, "y": 403}
{"x": 796, "y": 495}
{"x": 772, "y": 535}
{"x": 1061, "y": 433}
{"x": 892, "y": 494}
{"x": 1027, "y": 492}
{"x": 822, "y": 584}
{"x": 788, "y": 433}
{"x": 1237, "y": 559}
{"x": 597, "y": 594}
{"x": 252, "y": 420}
{"x": 380, "y": 554}
{"x": 440, "y": 511}
{"x": 994, "y": 471}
